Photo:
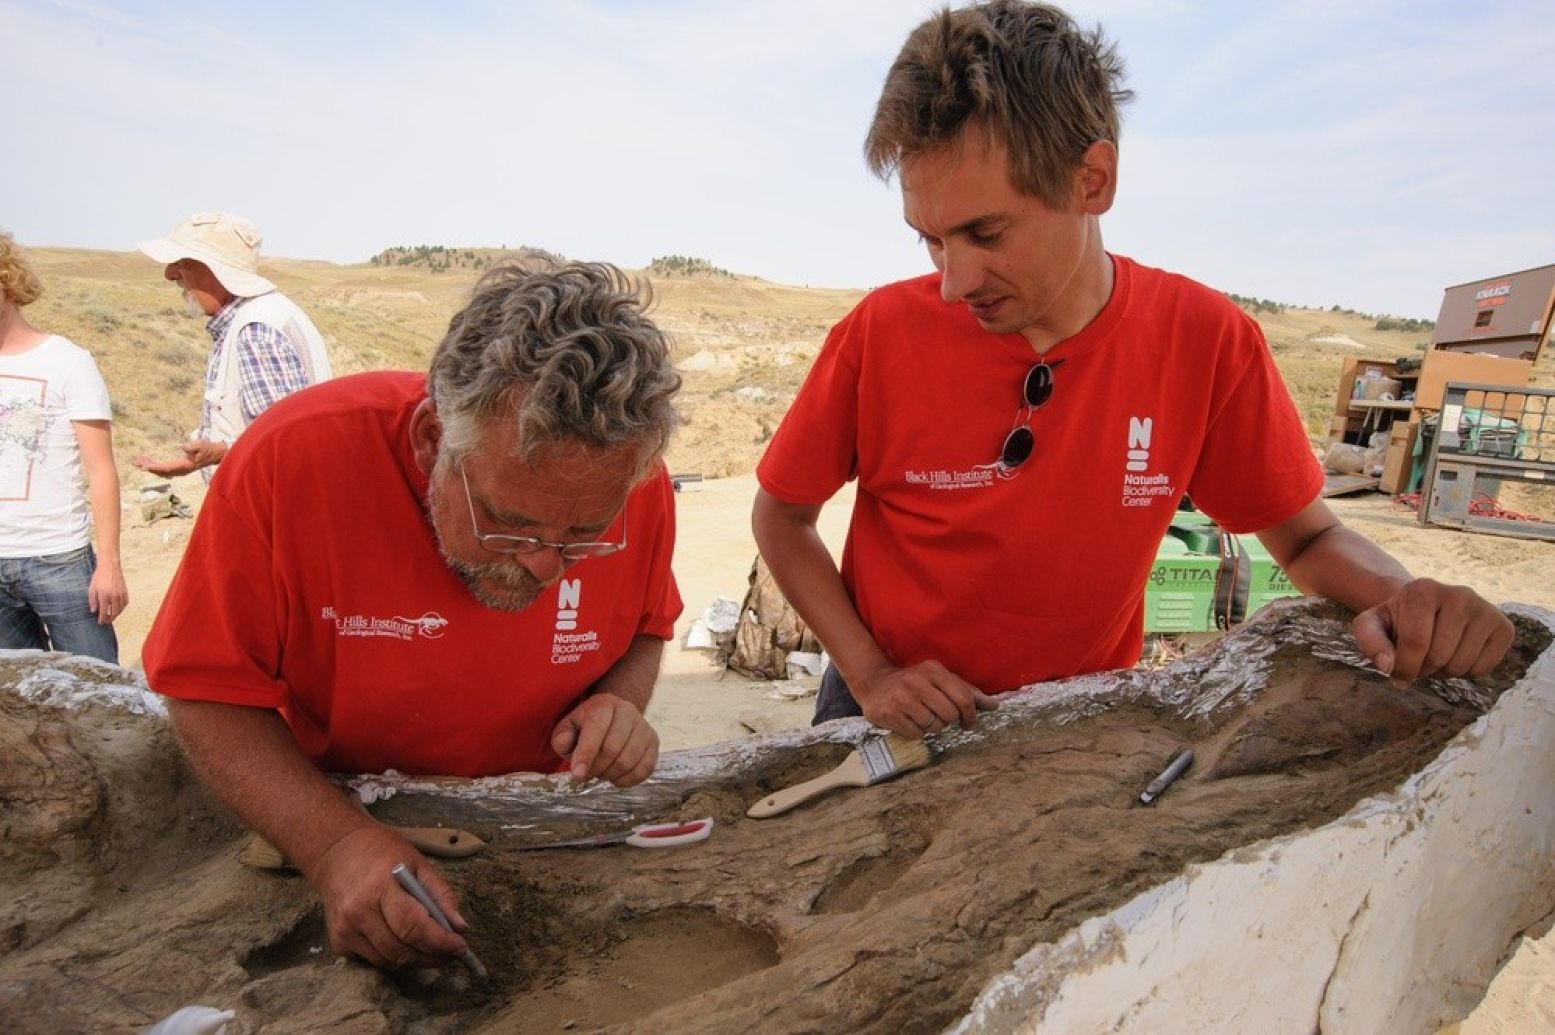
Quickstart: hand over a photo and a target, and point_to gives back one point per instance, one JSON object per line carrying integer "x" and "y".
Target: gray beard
{"x": 192, "y": 306}
{"x": 518, "y": 588}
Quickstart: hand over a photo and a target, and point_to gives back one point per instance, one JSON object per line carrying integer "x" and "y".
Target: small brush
{"x": 442, "y": 842}
{"x": 876, "y": 759}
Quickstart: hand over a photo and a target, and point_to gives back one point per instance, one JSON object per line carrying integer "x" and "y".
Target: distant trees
{"x": 1384, "y": 322}
{"x": 435, "y": 257}
{"x": 1256, "y": 305}
{"x": 439, "y": 258}
{"x": 1403, "y": 323}
{"x": 685, "y": 266}
{"x": 1381, "y": 321}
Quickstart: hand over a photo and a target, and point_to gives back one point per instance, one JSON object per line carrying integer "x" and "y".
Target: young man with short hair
{"x": 1023, "y": 422}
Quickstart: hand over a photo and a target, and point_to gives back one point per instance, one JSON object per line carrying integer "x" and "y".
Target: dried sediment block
{"x": 992, "y": 890}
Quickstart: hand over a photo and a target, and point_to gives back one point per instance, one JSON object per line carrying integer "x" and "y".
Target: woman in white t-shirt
{"x": 55, "y": 425}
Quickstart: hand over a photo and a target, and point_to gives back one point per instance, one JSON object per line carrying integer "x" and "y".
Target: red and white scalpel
{"x": 649, "y": 835}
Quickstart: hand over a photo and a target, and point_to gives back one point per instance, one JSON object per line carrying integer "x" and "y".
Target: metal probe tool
{"x": 408, "y": 881}
{"x": 1175, "y": 768}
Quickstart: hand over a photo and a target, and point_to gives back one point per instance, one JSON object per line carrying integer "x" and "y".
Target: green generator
{"x": 1180, "y": 594}
{"x": 1206, "y": 579}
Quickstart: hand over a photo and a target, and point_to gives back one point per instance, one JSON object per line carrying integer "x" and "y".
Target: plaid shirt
{"x": 269, "y": 366}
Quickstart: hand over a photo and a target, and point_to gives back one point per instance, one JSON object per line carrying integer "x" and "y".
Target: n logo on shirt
{"x": 1139, "y": 429}
{"x": 1139, "y": 488}
{"x": 569, "y": 594}
{"x": 567, "y": 646}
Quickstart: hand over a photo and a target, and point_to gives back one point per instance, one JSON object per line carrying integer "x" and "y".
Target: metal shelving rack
{"x": 1489, "y": 434}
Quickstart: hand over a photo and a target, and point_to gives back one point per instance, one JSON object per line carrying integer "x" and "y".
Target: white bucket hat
{"x": 227, "y": 244}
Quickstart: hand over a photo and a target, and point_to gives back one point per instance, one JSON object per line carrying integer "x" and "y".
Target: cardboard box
{"x": 1379, "y": 387}
{"x": 1399, "y": 464}
{"x": 1353, "y": 370}
{"x": 1475, "y": 368}
{"x": 1344, "y": 426}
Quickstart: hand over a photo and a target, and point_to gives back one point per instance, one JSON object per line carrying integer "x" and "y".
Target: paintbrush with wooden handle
{"x": 876, "y": 759}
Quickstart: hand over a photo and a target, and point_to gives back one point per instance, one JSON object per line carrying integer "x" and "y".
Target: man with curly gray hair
{"x": 464, "y": 573}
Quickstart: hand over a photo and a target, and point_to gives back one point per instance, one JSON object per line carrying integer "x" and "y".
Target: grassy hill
{"x": 744, "y": 344}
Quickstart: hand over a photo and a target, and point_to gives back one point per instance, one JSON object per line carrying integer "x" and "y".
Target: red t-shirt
{"x": 1170, "y": 388}
{"x": 313, "y": 585}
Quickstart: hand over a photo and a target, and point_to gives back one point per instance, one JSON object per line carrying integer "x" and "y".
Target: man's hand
{"x": 165, "y": 468}
{"x": 198, "y": 453}
{"x": 107, "y": 594}
{"x": 920, "y": 699}
{"x": 607, "y": 737}
{"x": 368, "y": 915}
{"x": 204, "y": 453}
{"x": 1428, "y": 629}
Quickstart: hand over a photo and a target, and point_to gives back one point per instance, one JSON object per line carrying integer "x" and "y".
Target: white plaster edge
{"x": 1391, "y": 918}
{"x": 73, "y": 681}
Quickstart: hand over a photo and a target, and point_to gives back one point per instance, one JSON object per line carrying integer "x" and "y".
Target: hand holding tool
{"x": 648, "y": 835}
{"x": 408, "y": 881}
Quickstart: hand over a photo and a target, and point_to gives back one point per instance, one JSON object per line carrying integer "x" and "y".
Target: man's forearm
{"x": 811, "y": 583}
{"x": 248, "y": 758}
{"x": 1346, "y": 567}
{"x": 633, "y": 676}
{"x": 94, "y": 440}
{"x": 103, "y": 495}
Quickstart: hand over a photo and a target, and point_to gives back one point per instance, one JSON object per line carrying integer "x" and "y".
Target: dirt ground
{"x": 881, "y": 910}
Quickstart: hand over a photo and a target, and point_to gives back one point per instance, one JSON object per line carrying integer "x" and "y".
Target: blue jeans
{"x": 43, "y": 605}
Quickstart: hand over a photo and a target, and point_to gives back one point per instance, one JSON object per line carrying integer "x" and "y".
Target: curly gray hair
{"x": 567, "y": 352}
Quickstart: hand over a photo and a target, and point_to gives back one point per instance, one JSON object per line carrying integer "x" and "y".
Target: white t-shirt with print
{"x": 43, "y": 504}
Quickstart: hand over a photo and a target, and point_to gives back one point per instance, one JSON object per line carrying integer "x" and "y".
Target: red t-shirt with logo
{"x": 313, "y": 585}
{"x": 1010, "y": 581}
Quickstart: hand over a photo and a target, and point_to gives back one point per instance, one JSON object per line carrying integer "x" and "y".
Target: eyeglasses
{"x": 525, "y": 544}
{"x": 1036, "y": 390}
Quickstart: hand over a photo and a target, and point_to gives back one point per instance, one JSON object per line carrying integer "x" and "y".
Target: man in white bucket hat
{"x": 263, "y": 347}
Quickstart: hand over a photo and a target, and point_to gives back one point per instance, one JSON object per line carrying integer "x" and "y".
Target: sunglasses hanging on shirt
{"x": 1018, "y": 444}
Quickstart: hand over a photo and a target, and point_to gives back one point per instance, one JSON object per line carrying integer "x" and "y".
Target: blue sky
{"x": 1365, "y": 154}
